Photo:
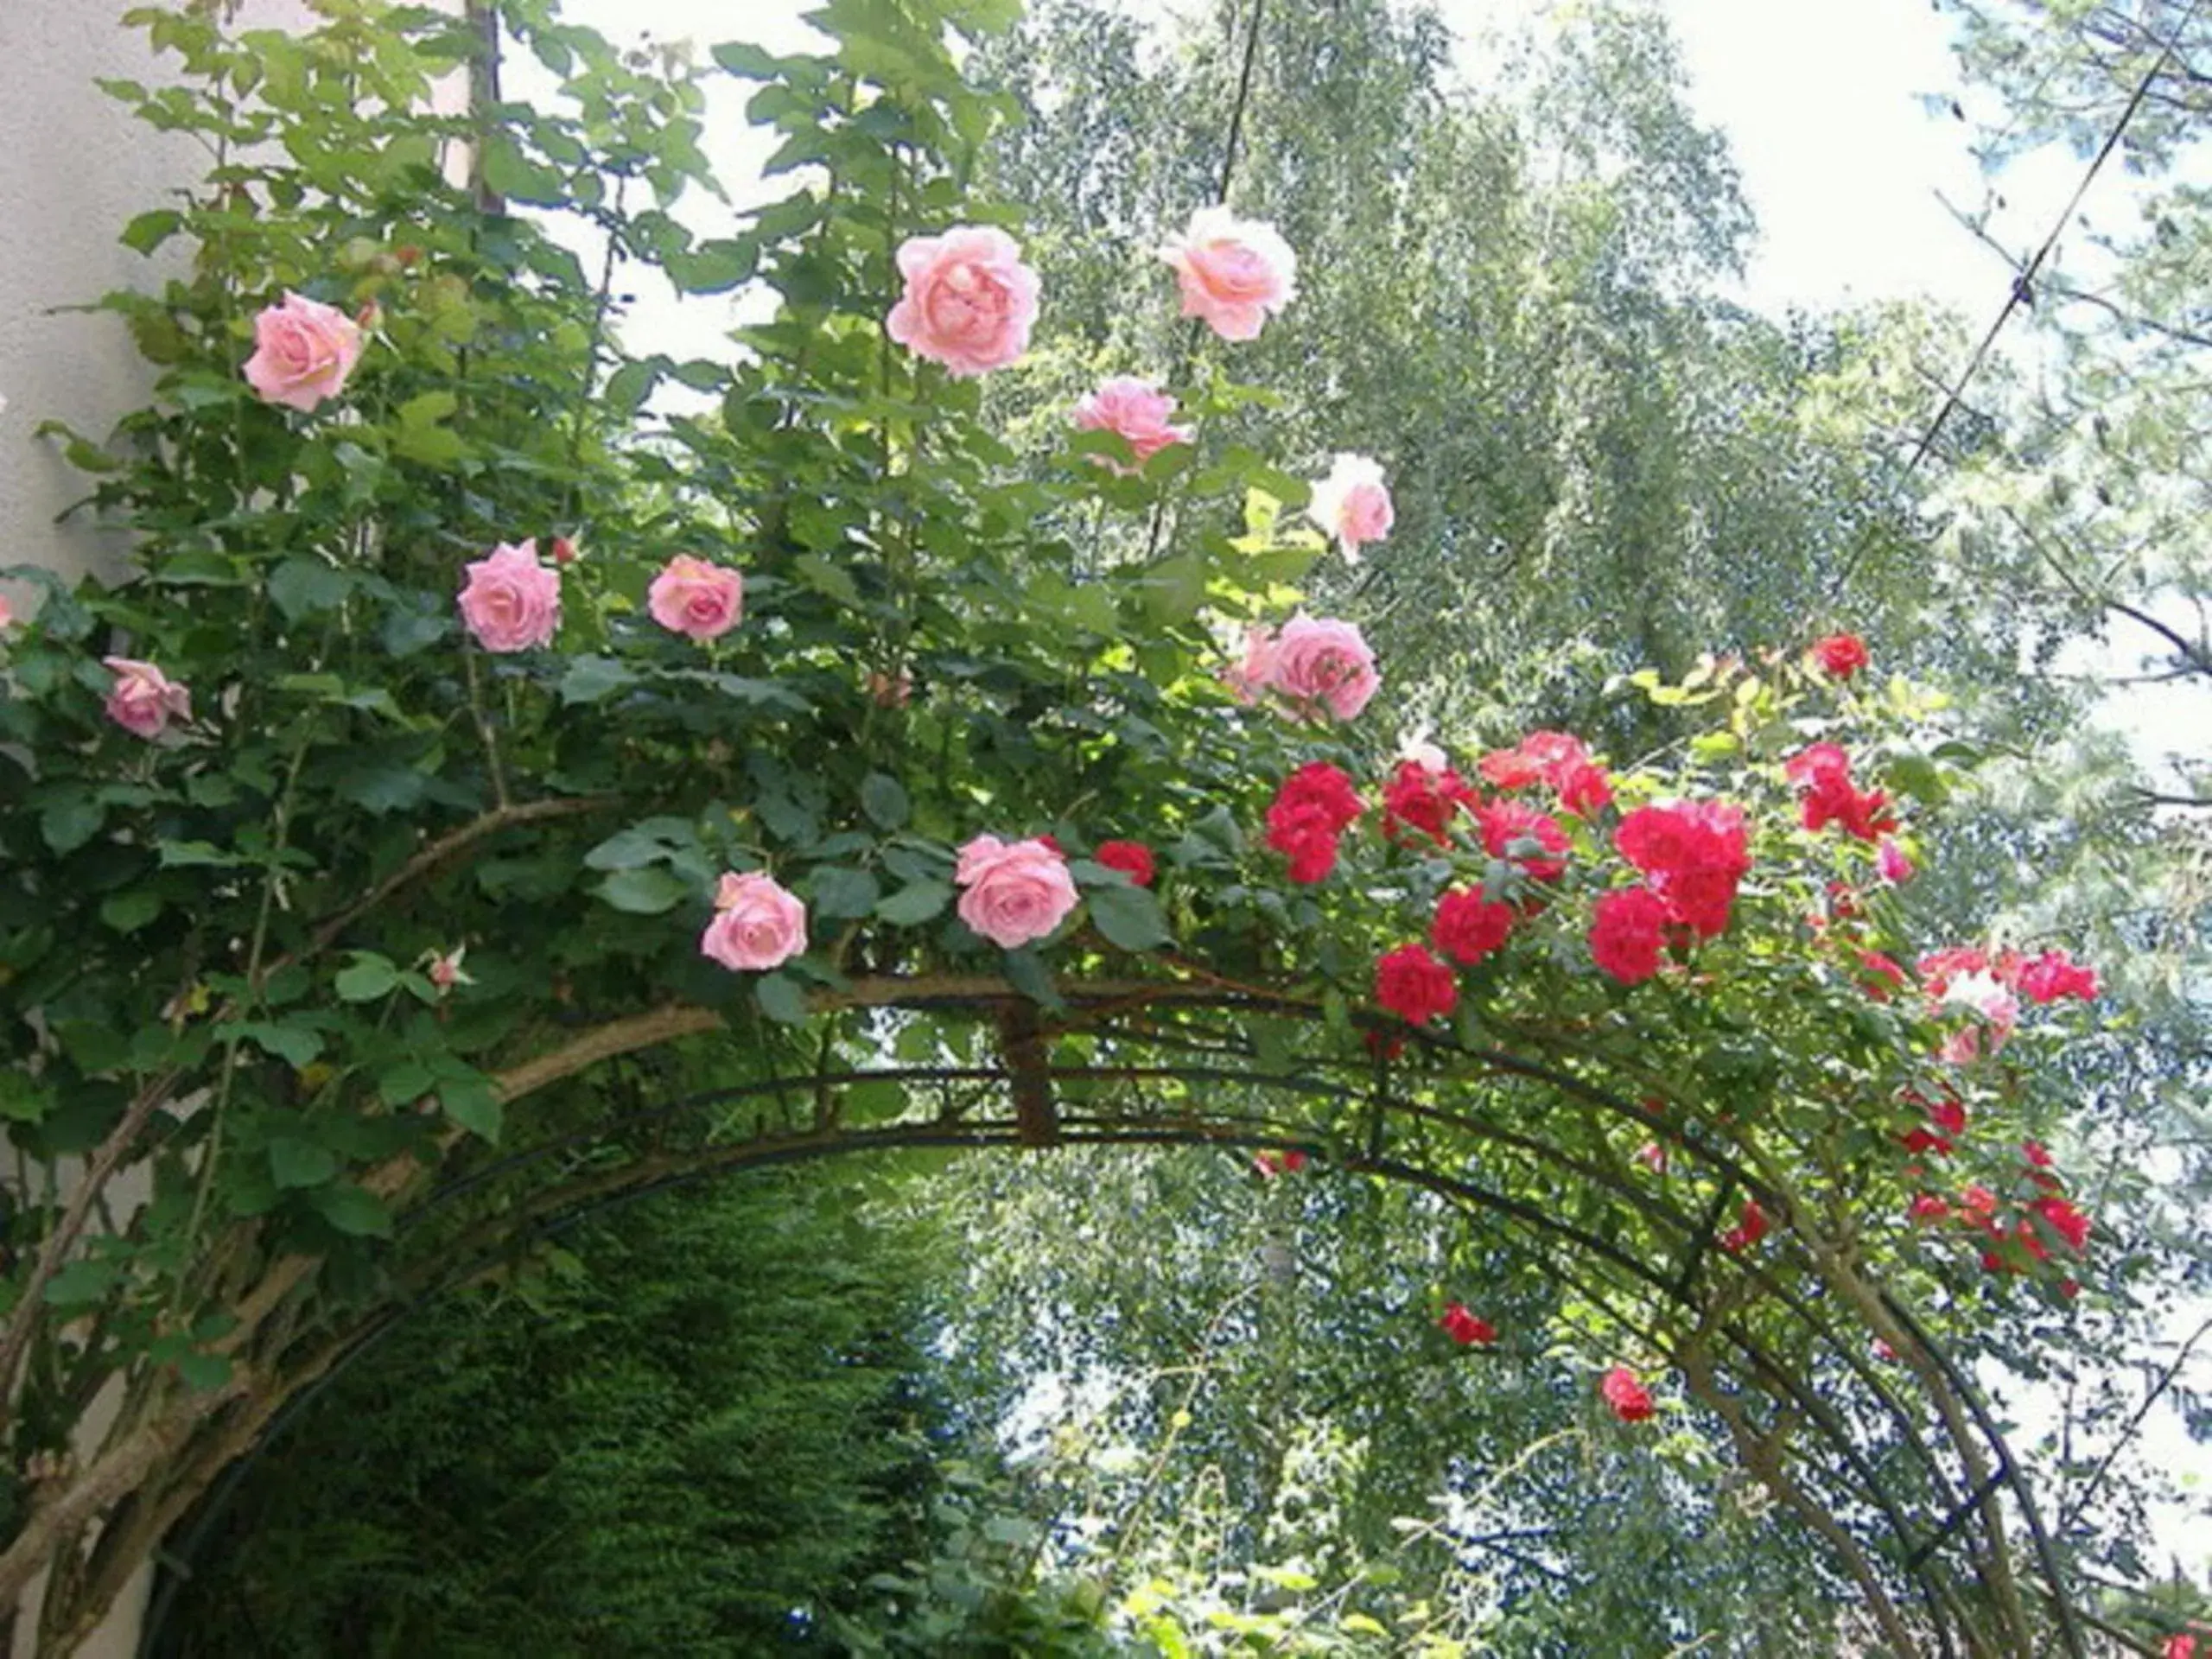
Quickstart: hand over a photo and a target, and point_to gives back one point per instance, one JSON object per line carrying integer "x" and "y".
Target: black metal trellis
{"x": 1361, "y": 1093}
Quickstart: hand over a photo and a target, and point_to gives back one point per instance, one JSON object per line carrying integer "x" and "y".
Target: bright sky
{"x": 1825, "y": 103}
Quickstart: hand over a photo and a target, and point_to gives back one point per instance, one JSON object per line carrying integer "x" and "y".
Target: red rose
{"x": 1630, "y": 1400}
{"x": 1468, "y": 926}
{"x": 1927, "y": 1207}
{"x": 2036, "y": 1152}
{"x": 2063, "y": 1219}
{"x": 1585, "y": 790}
{"x": 1939, "y": 967}
{"x": 1510, "y": 823}
{"x": 1509, "y": 769}
{"x": 1463, "y": 1327}
{"x": 1747, "y": 1231}
{"x": 1414, "y": 985}
{"x": 2182, "y": 1646}
{"x": 1652, "y": 1157}
{"x": 1626, "y": 934}
{"x": 1132, "y": 858}
{"x": 1315, "y": 805}
{"x": 1271, "y": 1164}
{"x": 1822, "y": 774}
{"x": 1840, "y": 655}
{"x": 1424, "y": 799}
{"x": 1879, "y": 975}
{"x": 2054, "y": 975}
{"x": 1693, "y": 853}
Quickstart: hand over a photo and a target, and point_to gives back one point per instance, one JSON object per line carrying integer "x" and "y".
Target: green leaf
{"x": 590, "y": 679}
{"x": 369, "y": 977}
{"x": 21, "y": 1100}
{"x": 839, "y": 892}
{"x": 743, "y": 58}
{"x": 202, "y": 1372}
{"x": 80, "y": 1283}
{"x": 353, "y": 1211}
{"x": 71, "y": 822}
{"x": 148, "y": 231}
{"x": 915, "y": 903}
{"x": 648, "y": 890}
{"x": 782, "y": 998}
{"x": 471, "y": 1104}
{"x": 826, "y": 578}
{"x": 406, "y": 1082}
{"x": 885, "y": 801}
{"x": 185, "y": 855}
{"x": 295, "y": 1163}
{"x": 300, "y": 586}
{"x": 715, "y": 266}
{"x": 515, "y": 176}
{"x": 1029, "y": 975}
{"x": 1129, "y": 917}
{"x": 296, "y": 1045}
{"x": 629, "y": 386}
{"x": 128, "y": 910}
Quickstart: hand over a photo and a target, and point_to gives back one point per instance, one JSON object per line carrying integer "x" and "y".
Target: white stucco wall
{"x": 75, "y": 168}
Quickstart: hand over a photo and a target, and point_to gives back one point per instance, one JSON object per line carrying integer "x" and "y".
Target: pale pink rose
{"x": 1891, "y": 864}
{"x": 1134, "y": 410}
{"x": 1988, "y": 996}
{"x": 1426, "y": 755}
{"x": 690, "y": 596}
{"x": 143, "y": 700}
{"x": 1352, "y": 503}
{"x": 756, "y": 925}
{"x": 1233, "y": 272}
{"x": 1015, "y": 891}
{"x": 1324, "y": 664}
{"x": 445, "y": 971}
{"x": 969, "y": 301}
{"x": 511, "y": 602}
{"x": 1247, "y": 678}
{"x": 303, "y": 350}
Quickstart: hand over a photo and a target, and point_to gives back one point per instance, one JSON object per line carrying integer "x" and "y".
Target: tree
{"x": 696, "y": 1424}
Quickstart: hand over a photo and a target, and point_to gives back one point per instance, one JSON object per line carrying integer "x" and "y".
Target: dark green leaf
{"x": 1129, "y": 917}
{"x": 367, "y": 978}
{"x": 352, "y": 1211}
{"x": 782, "y": 998}
{"x": 646, "y": 891}
{"x": 839, "y": 892}
{"x": 884, "y": 801}
{"x": 294, "y": 1162}
{"x": 915, "y": 904}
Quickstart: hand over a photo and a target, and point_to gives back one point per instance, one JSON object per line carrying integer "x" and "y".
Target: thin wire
{"x": 2023, "y": 282}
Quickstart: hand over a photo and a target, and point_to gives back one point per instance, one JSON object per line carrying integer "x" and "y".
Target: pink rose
{"x": 1352, "y": 503}
{"x": 1013, "y": 892}
{"x": 6, "y": 611}
{"x": 1890, "y": 861}
{"x": 757, "y": 924}
{"x": 1134, "y": 410}
{"x": 512, "y": 601}
{"x": 1324, "y": 664}
{"x": 303, "y": 350}
{"x": 143, "y": 699}
{"x": 1256, "y": 671}
{"x": 690, "y": 596}
{"x": 969, "y": 301}
{"x": 1233, "y": 272}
